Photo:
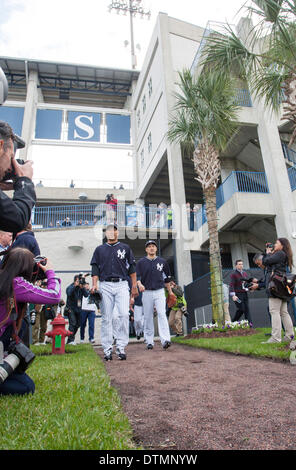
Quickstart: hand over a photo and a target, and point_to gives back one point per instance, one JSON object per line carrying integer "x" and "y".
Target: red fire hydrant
{"x": 58, "y": 334}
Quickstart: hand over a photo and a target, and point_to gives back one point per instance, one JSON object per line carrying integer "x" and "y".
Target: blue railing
{"x": 102, "y": 214}
{"x": 292, "y": 177}
{"x": 237, "y": 181}
{"x": 289, "y": 154}
{"x": 243, "y": 98}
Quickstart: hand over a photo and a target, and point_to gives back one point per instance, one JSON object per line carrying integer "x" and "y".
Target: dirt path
{"x": 193, "y": 399}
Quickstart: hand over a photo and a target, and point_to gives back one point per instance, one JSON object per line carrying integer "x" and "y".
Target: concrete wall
{"x": 69, "y": 250}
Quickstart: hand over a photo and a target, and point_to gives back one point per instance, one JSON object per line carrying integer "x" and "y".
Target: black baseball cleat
{"x": 108, "y": 356}
{"x": 121, "y": 356}
{"x": 166, "y": 345}
{"x": 138, "y": 337}
{"x": 149, "y": 346}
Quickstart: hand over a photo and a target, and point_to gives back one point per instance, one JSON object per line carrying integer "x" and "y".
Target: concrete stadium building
{"x": 91, "y": 109}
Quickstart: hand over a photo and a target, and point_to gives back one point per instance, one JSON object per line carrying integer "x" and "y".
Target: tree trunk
{"x": 215, "y": 257}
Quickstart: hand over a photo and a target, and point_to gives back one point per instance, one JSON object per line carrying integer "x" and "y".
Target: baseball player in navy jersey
{"x": 153, "y": 273}
{"x": 112, "y": 264}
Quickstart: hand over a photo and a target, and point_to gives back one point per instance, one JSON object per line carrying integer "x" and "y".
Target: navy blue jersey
{"x": 153, "y": 273}
{"x": 113, "y": 261}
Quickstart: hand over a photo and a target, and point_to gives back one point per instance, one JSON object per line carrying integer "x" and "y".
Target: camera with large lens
{"x": 95, "y": 298}
{"x": 10, "y": 175}
{"x": 19, "y": 358}
{"x": 247, "y": 283}
{"x": 38, "y": 273}
{"x": 81, "y": 278}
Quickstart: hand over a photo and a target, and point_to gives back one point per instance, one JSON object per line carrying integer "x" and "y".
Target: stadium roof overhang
{"x": 70, "y": 83}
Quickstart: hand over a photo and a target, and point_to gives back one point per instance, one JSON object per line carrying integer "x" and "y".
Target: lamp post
{"x": 134, "y": 8}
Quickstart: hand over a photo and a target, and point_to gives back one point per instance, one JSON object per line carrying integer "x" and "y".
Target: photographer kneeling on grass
{"x": 277, "y": 259}
{"x": 16, "y": 290}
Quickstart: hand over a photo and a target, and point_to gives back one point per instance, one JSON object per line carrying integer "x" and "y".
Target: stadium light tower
{"x": 134, "y": 8}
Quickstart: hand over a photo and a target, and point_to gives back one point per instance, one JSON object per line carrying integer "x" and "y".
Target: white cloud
{"x": 85, "y": 32}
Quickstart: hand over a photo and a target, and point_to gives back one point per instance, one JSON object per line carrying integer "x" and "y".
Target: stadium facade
{"x": 66, "y": 106}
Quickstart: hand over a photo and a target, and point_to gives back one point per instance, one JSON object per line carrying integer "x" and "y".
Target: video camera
{"x": 20, "y": 357}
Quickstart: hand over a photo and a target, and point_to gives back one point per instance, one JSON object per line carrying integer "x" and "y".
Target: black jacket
{"x": 15, "y": 213}
{"x": 27, "y": 240}
{"x": 74, "y": 297}
{"x": 274, "y": 262}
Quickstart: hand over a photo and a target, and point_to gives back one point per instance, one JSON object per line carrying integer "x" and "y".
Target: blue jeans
{"x": 17, "y": 384}
{"x": 90, "y": 316}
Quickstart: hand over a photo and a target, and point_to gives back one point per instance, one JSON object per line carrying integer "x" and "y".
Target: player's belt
{"x": 113, "y": 279}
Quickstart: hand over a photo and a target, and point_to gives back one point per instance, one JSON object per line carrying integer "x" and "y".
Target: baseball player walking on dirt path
{"x": 153, "y": 273}
{"x": 112, "y": 264}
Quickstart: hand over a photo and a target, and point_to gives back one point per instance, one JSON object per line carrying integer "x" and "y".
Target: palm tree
{"x": 265, "y": 58}
{"x": 203, "y": 120}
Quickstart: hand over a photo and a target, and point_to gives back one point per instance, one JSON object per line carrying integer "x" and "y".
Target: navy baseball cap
{"x": 150, "y": 242}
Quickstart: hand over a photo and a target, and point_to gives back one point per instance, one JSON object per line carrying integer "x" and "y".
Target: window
{"x": 138, "y": 118}
{"x": 142, "y": 158}
{"x": 149, "y": 140}
{"x": 150, "y": 87}
{"x": 144, "y": 103}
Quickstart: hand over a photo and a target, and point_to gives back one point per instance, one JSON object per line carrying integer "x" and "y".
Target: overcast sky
{"x": 84, "y": 32}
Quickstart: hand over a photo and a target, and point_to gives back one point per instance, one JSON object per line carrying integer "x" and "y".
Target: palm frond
{"x": 205, "y": 109}
{"x": 228, "y": 52}
{"x": 267, "y": 84}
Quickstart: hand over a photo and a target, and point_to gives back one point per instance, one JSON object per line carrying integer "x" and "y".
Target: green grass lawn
{"x": 74, "y": 406}
{"x": 247, "y": 345}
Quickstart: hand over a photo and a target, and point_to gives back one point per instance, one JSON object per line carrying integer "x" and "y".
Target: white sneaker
{"x": 271, "y": 341}
{"x": 72, "y": 343}
{"x": 82, "y": 341}
{"x": 92, "y": 341}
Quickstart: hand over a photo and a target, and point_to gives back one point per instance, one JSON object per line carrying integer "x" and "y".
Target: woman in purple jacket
{"x": 15, "y": 283}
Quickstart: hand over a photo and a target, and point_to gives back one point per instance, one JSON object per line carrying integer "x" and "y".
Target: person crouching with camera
{"x": 16, "y": 290}
{"x": 277, "y": 259}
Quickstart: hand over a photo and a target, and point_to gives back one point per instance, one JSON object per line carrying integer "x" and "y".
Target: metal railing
{"x": 289, "y": 154}
{"x": 292, "y": 177}
{"x": 237, "y": 181}
{"x": 83, "y": 215}
{"x": 243, "y": 98}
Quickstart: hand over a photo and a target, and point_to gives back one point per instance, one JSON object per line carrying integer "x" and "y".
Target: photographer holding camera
{"x": 75, "y": 292}
{"x": 15, "y": 213}
{"x": 16, "y": 290}
{"x": 277, "y": 259}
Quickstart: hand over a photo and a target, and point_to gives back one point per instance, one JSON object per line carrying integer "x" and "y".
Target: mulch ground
{"x": 185, "y": 398}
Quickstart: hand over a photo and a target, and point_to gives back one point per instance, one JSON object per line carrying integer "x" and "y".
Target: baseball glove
{"x": 171, "y": 300}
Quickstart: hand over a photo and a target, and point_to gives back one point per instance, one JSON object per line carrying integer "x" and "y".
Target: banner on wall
{"x": 82, "y": 126}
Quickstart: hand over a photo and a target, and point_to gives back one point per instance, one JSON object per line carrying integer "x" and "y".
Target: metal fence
{"x": 289, "y": 154}
{"x": 79, "y": 215}
{"x": 237, "y": 181}
{"x": 292, "y": 177}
